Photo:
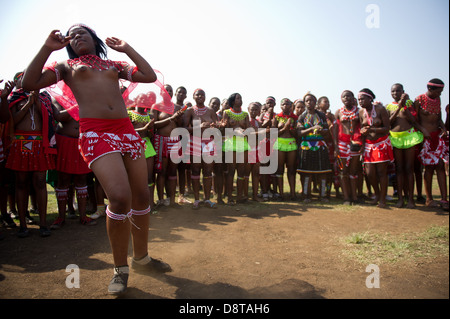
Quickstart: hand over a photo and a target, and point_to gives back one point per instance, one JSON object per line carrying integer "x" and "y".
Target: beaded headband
{"x": 435, "y": 84}
{"x": 18, "y": 76}
{"x": 364, "y": 93}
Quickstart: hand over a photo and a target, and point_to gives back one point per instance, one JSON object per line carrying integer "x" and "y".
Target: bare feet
{"x": 382, "y": 205}
{"x": 400, "y": 203}
{"x": 411, "y": 205}
{"x": 444, "y": 204}
{"x": 324, "y": 200}
{"x": 256, "y": 199}
{"x": 431, "y": 203}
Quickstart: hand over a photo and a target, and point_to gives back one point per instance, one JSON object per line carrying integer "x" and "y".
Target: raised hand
{"x": 117, "y": 44}
{"x": 7, "y": 89}
{"x": 56, "y": 41}
{"x": 403, "y": 100}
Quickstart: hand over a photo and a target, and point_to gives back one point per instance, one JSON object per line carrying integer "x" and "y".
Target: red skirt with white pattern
{"x": 378, "y": 151}
{"x": 99, "y": 137}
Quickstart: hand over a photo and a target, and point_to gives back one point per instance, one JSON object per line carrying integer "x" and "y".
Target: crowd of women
{"x": 128, "y": 153}
{"x": 354, "y": 147}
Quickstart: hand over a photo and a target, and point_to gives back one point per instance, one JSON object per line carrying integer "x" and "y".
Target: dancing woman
{"x": 108, "y": 141}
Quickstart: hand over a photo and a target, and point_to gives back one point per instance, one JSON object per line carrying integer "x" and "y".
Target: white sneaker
{"x": 101, "y": 211}
{"x": 183, "y": 200}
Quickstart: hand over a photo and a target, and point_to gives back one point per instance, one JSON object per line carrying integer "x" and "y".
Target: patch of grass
{"x": 358, "y": 239}
{"x": 375, "y": 248}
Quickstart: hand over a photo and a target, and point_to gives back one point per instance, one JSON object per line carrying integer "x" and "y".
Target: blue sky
{"x": 258, "y": 48}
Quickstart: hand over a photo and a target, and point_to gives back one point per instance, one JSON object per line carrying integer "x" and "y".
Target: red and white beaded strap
{"x": 52, "y": 67}
{"x": 131, "y": 71}
{"x": 115, "y": 216}
{"x": 141, "y": 212}
{"x": 129, "y": 215}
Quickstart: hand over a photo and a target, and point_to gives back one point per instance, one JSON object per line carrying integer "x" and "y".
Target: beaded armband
{"x": 52, "y": 67}
{"x": 131, "y": 72}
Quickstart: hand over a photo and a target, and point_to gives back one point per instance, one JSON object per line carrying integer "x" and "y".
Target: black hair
{"x": 321, "y": 98}
{"x": 309, "y": 94}
{"x": 368, "y": 91}
{"x": 231, "y": 99}
{"x": 100, "y": 46}
{"x": 254, "y": 103}
{"x": 399, "y": 84}
{"x": 434, "y": 81}
{"x": 348, "y": 92}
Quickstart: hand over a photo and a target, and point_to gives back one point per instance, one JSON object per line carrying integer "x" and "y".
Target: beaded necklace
{"x": 283, "y": 118}
{"x": 33, "y": 123}
{"x": 394, "y": 105}
{"x": 200, "y": 111}
{"x": 430, "y": 105}
{"x": 312, "y": 119}
{"x": 96, "y": 63}
{"x": 137, "y": 117}
{"x": 235, "y": 115}
{"x": 373, "y": 114}
{"x": 349, "y": 115}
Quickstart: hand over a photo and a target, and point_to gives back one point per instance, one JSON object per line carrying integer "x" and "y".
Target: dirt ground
{"x": 286, "y": 250}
